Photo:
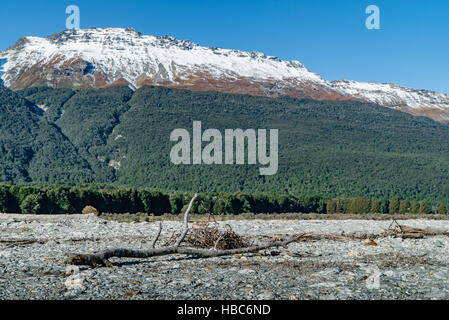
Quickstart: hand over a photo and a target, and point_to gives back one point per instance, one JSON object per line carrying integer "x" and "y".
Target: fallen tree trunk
{"x": 399, "y": 231}
{"x": 102, "y": 258}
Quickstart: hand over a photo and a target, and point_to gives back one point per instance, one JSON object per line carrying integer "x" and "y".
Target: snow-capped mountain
{"x": 418, "y": 102}
{"x": 113, "y": 56}
{"x": 103, "y": 57}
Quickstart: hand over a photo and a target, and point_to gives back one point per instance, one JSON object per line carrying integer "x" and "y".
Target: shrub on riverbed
{"x": 90, "y": 210}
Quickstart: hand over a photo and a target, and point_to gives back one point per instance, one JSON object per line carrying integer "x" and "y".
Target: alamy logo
{"x": 75, "y": 280}
{"x": 373, "y": 20}
{"x": 73, "y": 20}
{"x": 212, "y": 153}
{"x": 373, "y": 280}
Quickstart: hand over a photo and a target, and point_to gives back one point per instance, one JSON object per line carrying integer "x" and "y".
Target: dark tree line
{"x": 391, "y": 206}
{"x": 70, "y": 200}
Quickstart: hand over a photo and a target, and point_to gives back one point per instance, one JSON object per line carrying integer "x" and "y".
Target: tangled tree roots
{"x": 211, "y": 237}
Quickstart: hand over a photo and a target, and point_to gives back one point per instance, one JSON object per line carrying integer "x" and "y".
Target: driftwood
{"x": 210, "y": 242}
{"x": 211, "y": 237}
{"x": 399, "y": 231}
{"x": 102, "y": 258}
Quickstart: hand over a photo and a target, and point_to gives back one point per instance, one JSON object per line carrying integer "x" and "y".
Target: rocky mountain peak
{"x": 101, "y": 57}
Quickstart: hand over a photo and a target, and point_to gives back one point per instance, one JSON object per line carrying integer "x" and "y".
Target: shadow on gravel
{"x": 141, "y": 262}
{"x": 395, "y": 260}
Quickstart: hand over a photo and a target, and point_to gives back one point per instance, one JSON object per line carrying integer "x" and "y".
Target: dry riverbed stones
{"x": 32, "y": 251}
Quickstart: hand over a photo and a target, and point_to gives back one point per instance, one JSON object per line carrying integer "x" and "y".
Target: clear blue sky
{"x": 328, "y": 36}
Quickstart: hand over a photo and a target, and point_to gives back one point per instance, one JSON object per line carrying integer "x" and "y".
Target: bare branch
{"x": 153, "y": 244}
{"x": 218, "y": 240}
{"x": 186, "y": 222}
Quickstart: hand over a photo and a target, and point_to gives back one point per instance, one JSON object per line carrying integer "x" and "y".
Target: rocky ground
{"x": 33, "y": 249}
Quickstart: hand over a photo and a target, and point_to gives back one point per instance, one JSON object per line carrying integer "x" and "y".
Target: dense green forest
{"x": 33, "y": 149}
{"x": 65, "y": 199}
{"x": 114, "y": 136}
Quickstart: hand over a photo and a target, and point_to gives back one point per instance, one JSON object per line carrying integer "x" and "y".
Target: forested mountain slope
{"x": 329, "y": 148}
{"x": 33, "y": 149}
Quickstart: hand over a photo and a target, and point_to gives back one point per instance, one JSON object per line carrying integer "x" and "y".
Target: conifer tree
{"x": 442, "y": 209}
{"x": 394, "y": 205}
{"x": 414, "y": 207}
{"x": 404, "y": 206}
{"x": 424, "y": 207}
{"x": 376, "y": 207}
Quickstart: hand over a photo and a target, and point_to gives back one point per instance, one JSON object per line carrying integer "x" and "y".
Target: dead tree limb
{"x": 102, "y": 258}
{"x": 406, "y": 232}
{"x": 159, "y": 231}
{"x": 218, "y": 240}
{"x": 186, "y": 222}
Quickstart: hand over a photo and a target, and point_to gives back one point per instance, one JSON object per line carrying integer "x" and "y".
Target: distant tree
{"x": 58, "y": 200}
{"x": 442, "y": 209}
{"x": 177, "y": 203}
{"x": 361, "y": 205}
{"x": 340, "y": 206}
{"x": 394, "y": 205}
{"x": 331, "y": 206}
{"x": 8, "y": 203}
{"x": 347, "y": 205}
{"x": 376, "y": 207}
{"x": 365, "y": 205}
{"x": 32, "y": 204}
{"x": 404, "y": 206}
{"x": 414, "y": 206}
{"x": 384, "y": 203}
{"x": 155, "y": 202}
{"x": 424, "y": 207}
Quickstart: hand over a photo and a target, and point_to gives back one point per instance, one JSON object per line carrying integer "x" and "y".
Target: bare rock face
{"x": 98, "y": 58}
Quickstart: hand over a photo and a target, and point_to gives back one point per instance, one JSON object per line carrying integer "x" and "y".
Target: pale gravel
{"x": 406, "y": 269}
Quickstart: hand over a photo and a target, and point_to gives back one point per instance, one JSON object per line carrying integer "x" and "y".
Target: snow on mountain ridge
{"x": 128, "y": 54}
{"x": 393, "y": 95}
{"x": 101, "y": 57}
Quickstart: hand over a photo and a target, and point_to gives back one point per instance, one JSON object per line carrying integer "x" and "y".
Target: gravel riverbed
{"x": 33, "y": 250}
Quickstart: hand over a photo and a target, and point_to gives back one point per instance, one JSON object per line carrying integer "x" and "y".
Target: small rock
{"x": 247, "y": 271}
{"x": 370, "y": 243}
{"x": 438, "y": 244}
{"x": 266, "y": 295}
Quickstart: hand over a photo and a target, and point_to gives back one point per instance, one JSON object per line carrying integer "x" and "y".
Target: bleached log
{"x": 102, "y": 258}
